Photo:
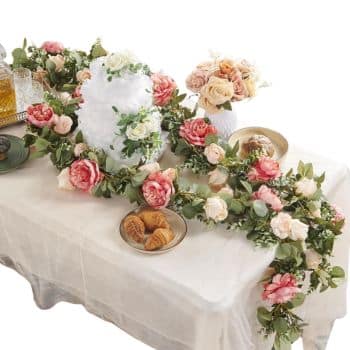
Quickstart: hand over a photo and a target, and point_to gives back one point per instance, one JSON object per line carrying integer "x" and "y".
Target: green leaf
{"x": 139, "y": 178}
{"x": 337, "y": 272}
{"x": 93, "y": 156}
{"x": 284, "y": 251}
{"x": 50, "y": 66}
{"x": 203, "y": 191}
{"x": 227, "y": 106}
{"x": 211, "y": 138}
{"x": 79, "y": 137}
{"x": 189, "y": 211}
{"x": 19, "y": 57}
{"x": 309, "y": 171}
{"x": 235, "y": 148}
{"x": 298, "y": 300}
{"x": 111, "y": 165}
{"x": 301, "y": 168}
{"x": 280, "y": 325}
{"x": 264, "y": 316}
{"x": 247, "y": 186}
{"x": 236, "y": 206}
{"x": 132, "y": 193}
{"x": 97, "y": 50}
{"x": 260, "y": 208}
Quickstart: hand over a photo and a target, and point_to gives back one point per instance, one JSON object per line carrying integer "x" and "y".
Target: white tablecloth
{"x": 201, "y": 296}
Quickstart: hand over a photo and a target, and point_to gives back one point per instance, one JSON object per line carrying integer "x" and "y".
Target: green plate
{"x": 16, "y": 156}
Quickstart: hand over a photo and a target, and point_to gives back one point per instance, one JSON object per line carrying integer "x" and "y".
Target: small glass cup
{"x": 23, "y": 85}
{"x": 37, "y": 95}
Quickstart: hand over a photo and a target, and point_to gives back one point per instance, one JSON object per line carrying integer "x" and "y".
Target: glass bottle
{"x": 7, "y": 90}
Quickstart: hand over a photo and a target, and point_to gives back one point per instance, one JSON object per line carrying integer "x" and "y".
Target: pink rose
{"x": 338, "y": 215}
{"x": 77, "y": 94}
{"x": 240, "y": 90}
{"x": 163, "y": 88}
{"x": 63, "y": 124}
{"x": 195, "y": 131}
{"x": 40, "y": 115}
{"x": 85, "y": 174}
{"x": 282, "y": 289}
{"x": 269, "y": 197}
{"x": 264, "y": 169}
{"x": 196, "y": 80}
{"x": 79, "y": 148}
{"x": 157, "y": 190}
{"x": 52, "y": 47}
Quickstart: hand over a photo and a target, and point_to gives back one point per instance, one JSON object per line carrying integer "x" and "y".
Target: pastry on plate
{"x": 134, "y": 228}
{"x": 159, "y": 238}
{"x": 258, "y": 143}
{"x": 153, "y": 219}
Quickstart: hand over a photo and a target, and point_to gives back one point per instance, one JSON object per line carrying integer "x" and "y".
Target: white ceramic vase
{"x": 225, "y": 122}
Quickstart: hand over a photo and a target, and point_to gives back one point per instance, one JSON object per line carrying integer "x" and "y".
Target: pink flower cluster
{"x": 282, "y": 289}
{"x": 163, "y": 89}
{"x": 265, "y": 169}
{"x": 195, "y": 131}
{"x": 338, "y": 216}
{"x": 268, "y": 196}
{"x": 53, "y": 47}
{"x": 158, "y": 188}
{"x": 84, "y": 174}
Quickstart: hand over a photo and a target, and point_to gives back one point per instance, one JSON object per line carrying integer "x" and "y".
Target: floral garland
{"x": 288, "y": 211}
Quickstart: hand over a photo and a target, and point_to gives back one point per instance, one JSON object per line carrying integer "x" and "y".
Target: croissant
{"x": 153, "y": 219}
{"x": 159, "y": 238}
{"x": 134, "y": 228}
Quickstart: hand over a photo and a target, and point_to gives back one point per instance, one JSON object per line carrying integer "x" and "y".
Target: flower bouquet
{"x": 219, "y": 83}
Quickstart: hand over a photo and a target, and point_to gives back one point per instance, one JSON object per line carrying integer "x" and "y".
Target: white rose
{"x": 298, "y": 230}
{"x": 139, "y": 132}
{"x": 313, "y": 259}
{"x": 80, "y": 148}
{"x": 216, "y": 209}
{"x": 217, "y": 179}
{"x": 152, "y": 124}
{"x": 214, "y": 153}
{"x": 227, "y": 190}
{"x": 63, "y": 180}
{"x": 117, "y": 61}
{"x": 281, "y": 225}
{"x": 150, "y": 167}
{"x": 65, "y": 97}
{"x": 58, "y": 60}
{"x": 306, "y": 187}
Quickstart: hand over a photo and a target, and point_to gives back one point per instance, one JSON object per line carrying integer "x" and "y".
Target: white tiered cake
{"x": 127, "y": 92}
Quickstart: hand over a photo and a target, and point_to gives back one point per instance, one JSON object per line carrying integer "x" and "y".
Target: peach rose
{"x": 217, "y": 179}
{"x": 306, "y": 187}
{"x": 209, "y": 66}
{"x": 85, "y": 174}
{"x": 163, "y": 89}
{"x": 214, "y": 153}
{"x": 218, "y": 91}
{"x": 58, "y": 60}
{"x": 83, "y": 75}
{"x": 171, "y": 173}
{"x": 150, "y": 167}
{"x": 204, "y": 103}
{"x": 269, "y": 197}
{"x": 196, "y": 80}
{"x": 52, "y": 47}
{"x": 227, "y": 190}
{"x": 40, "y": 115}
{"x": 79, "y": 148}
{"x": 63, "y": 124}
{"x": 313, "y": 259}
{"x": 195, "y": 131}
{"x": 64, "y": 180}
{"x": 157, "y": 190}
{"x": 282, "y": 289}
{"x": 264, "y": 169}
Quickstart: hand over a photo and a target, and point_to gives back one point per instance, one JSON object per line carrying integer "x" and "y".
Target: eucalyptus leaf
{"x": 260, "y": 208}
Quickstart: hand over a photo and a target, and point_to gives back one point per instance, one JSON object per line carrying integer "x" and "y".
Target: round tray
{"x": 177, "y": 224}
{"x": 279, "y": 142}
{"x": 16, "y": 155}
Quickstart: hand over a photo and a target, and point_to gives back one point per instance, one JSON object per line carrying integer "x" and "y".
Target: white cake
{"x": 128, "y": 94}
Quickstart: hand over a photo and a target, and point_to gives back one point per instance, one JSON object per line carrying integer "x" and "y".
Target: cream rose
{"x": 298, "y": 230}
{"x": 313, "y": 259}
{"x": 79, "y": 148}
{"x": 281, "y": 225}
{"x": 171, "y": 173}
{"x": 216, "y": 209}
{"x": 227, "y": 190}
{"x": 150, "y": 167}
{"x": 139, "y": 132}
{"x": 204, "y": 103}
{"x": 306, "y": 187}
{"x": 58, "y": 60}
{"x": 217, "y": 179}
{"x": 63, "y": 124}
{"x": 218, "y": 91}
{"x": 65, "y": 97}
{"x": 63, "y": 180}
{"x": 214, "y": 153}
{"x": 83, "y": 75}
{"x": 117, "y": 61}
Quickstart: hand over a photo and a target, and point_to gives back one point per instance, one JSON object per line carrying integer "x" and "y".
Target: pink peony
{"x": 40, "y": 115}
{"x": 282, "y": 289}
{"x": 269, "y": 197}
{"x": 52, "y": 47}
{"x": 195, "y": 131}
{"x": 264, "y": 169}
{"x": 163, "y": 88}
{"x": 157, "y": 189}
{"x": 85, "y": 174}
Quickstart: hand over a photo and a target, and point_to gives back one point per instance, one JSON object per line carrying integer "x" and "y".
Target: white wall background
{"x": 302, "y": 47}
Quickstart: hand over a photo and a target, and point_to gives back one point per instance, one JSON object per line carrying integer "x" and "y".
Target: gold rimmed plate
{"x": 177, "y": 224}
{"x": 279, "y": 142}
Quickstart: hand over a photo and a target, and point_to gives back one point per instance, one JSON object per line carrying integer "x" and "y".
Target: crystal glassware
{"x": 23, "y": 85}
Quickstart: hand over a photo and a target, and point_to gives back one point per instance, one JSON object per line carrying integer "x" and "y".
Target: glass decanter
{"x": 7, "y": 89}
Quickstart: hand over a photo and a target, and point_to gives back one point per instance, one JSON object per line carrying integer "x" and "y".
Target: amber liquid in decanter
{"x": 7, "y": 97}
